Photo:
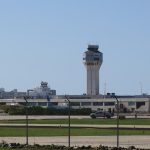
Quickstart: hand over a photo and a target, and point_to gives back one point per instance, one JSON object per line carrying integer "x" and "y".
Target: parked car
{"x": 104, "y": 114}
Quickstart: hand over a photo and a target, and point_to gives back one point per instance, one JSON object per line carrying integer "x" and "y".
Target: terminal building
{"x": 45, "y": 97}
{"x": 41, "y": 92}
{"x": 126, "y": 103}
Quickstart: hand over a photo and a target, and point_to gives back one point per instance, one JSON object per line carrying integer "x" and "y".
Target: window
{"x": 42, "y": 103}
{"x": 109, "y": 103}
{"x": 96, "y": 58}
{"x": 97, "y": 103}
{"x": 131, "y": 103}
{"x": 32, "y": 104}
{"x": 139, "y": 104}
{"x": 121, "y": 106}
{"x": 75, "y": 103}
{"x": 54, "y": 103}
{"x": 86, "y": 103}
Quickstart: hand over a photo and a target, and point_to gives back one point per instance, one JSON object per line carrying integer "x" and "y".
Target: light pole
{"x": 68, "y": 120}
{"x": 114, "y": 96}
{"x": 25, "y": 98}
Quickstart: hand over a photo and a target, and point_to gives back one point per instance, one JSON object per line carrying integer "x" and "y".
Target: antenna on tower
{"x": 104, "y": 89}
{"x": 141, "y": 88}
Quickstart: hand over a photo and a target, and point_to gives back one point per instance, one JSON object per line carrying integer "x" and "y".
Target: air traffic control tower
{"x": 92, "y": 59}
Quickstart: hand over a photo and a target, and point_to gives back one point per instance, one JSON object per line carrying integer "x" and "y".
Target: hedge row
{"x": 36, "y": 110}
{"x": 18, "y": 146}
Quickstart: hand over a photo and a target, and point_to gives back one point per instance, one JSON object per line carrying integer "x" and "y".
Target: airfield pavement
{"x": 13, "y": 117}
{"x": 124, "y": 141}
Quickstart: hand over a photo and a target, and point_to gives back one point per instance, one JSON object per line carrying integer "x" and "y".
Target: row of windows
{"x": 94, "y": 103}
{"x": 137, "y": 104}
{"x": 42, "y": 103}
{"x": 97, "y": 103}
{"x": 96, "y": 58}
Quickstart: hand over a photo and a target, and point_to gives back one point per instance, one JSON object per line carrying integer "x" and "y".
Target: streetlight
{"x": 25, "y": 98}
{"x": 68, "y": 120}
{"x": 114, "y": 96}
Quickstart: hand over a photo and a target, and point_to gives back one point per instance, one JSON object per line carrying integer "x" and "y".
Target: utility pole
{"x": 114, "y": 96}
{"x": 25, "y": 98}
{"x": 68, "y": 120}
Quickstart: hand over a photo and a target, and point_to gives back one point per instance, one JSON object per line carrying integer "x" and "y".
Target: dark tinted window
{"x": 97, "y": 103}
{"x": 109, "y": 103}
{"x": 86, "y": 103}
{"x": 131, "y": 103}
{"x": 75, "y": 104}
{"x": 139, "y": 104}
{"x": 96, "y": 58}
{"x": 54, "y": 103}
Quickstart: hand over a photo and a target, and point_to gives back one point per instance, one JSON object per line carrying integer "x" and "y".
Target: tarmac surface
{"x": 17, "y": 117}
{"x": 124, "y": 141}
{"x": 128, "y": 127}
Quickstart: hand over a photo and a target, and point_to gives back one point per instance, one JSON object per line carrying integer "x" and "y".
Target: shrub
{"x": 19, "y": 146}
{"x": 122, "y": 116}
{"x": 37, "y": 110}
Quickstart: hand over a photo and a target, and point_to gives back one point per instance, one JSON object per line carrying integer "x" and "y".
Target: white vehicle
{"x": 101, "y": 114}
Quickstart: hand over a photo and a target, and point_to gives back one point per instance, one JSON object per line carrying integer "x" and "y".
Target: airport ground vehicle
{"x": 104, "y": 114}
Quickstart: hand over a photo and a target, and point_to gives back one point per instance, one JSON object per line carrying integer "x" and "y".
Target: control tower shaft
{"x": 92, "y": 59}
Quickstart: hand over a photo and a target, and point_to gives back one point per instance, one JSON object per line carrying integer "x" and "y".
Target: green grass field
{"x": 97, "y": 121}
{"x": 64, "y": 132}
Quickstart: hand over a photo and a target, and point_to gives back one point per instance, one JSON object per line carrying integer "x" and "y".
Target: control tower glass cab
{"x": 92, "y": 60}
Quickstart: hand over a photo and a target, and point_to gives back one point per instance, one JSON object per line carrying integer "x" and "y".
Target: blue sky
{"x": 44, "y": 40}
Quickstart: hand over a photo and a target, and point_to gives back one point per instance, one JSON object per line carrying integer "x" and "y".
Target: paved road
{"x": 125, "y": 141}
{"x": 142, "y": 127}
{"x": 12, "y": 117}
